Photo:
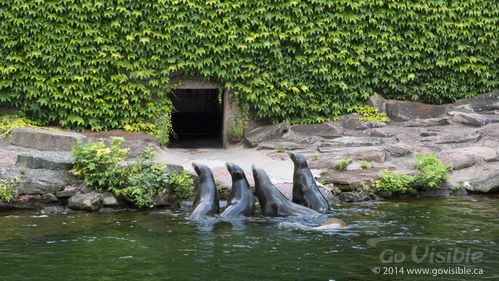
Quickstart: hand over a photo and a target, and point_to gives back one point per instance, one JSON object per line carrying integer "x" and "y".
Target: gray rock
{"x": 281, "y": 144}
{"x": 398, "y": 150}
{"x": 67, "y": 192}
{"x": 327, "y": 193}
{"x": 53, "y": 210}
{"x": 351, "y": 121}
{"x": 86, "y": 201}
{"x": 408, "y": 110}
{"x": 45, "y": 140}
{"x": 490, "y": 131}
{"x": 457, "y": 160}
{"x": 351, "y": 197}
{"x": 327, "y": 159}
{"x": 473, "y": 119}
{"x": 430, "y": 122}
{"x": 49, "y": 198}
{"x": 325, "y": 130}
{"x": 481, "y": 103}
{"x": 379, "y": 133}
{"x": 167, "y": 199}
{"x": 479, "y": 178}
{"x": 45, "y": 160}
{"x": 378, "y": 102}
{"x": 265, "y": 133}
{"x": 349, "y": 180}
{"x": 453, "y": 138}
{"x": 7, "y": 158}
{"x": 429, "y": 133}
{"x": 109, "y": 200}
{"x": 38, "y": 181}
{"x": 353, "y": 142}
{"x": 370, "y": 125}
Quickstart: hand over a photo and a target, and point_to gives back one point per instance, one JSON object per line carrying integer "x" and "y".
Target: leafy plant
{"x": 182, "y": 184}
{"x": 99, "y": 164}
{"x": 100, "y": 167}
{"x": 432, "y": 171}
{"x": 364, "y": 165}
{"x": 342, "y": 165}
{"x": 164, "y": 129}
{"x": 8, "y": 189}
{"x": 107, "y": 64}
{"x": 9, "y": 122}
{"x": 394, "y": 182}
{"x": 370, "y": 114}
{"x": 145, "y": 179}
{"x": 280, "y": 149}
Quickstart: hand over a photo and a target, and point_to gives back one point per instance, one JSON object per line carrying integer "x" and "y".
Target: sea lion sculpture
{"x": 241, "y": 200}
{"x": 305, "y": 189}
{"x": 206, "y": 202}
{"x": 273, "y": 202}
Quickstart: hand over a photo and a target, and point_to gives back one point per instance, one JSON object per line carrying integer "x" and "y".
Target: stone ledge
{"x": 45, "y": 140}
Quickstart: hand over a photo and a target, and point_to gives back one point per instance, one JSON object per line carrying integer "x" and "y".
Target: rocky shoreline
{"x": 464, "y": 135}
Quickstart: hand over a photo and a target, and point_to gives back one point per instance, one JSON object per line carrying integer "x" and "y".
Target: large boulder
{"x": 46, "y": 140}
{"x": 348, "y": 141}
{"x": 430, "y": 122}
{"x": 479, "y": 178}
{"x": 473, "y": 119}
{"x": 45, "y": 160}
{"x": 7, "y": 158}
{"x": 38, "y": 181}
{"x": 325, "y": 130}
{"x": 465, "y": 157}
{"x": 265, "y": 133}
{"x": 481, "y": 103}
{"x": 351, "y": 179}
{"x": 86, "y": 201}
{"x": 409, "y": 110}
{"x": 331, "y": 155}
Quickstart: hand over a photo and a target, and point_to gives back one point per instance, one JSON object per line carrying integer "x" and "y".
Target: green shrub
{"x": 9, "y": 122}
{"x": 370, "y": 114}
{"x": 341, "y": 165}
{"x": 182, "y": 184}
{"x": 280, "y": 149}
{"x": 432, "y": 172}
{"x": 107, "y": 64}
{"x": 145, "y": 179}
{"x": 100, "y": 168}
{"x": 394, "y": 182}
{"x": 8, "y": 189}
{"x": 99, "y": 165}
{"x": 364, "y": 165}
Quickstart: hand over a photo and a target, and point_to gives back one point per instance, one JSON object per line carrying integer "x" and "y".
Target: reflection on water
{"x": 380, "y": 239}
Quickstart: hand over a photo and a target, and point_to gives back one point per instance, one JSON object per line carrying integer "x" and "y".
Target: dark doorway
{"x": 197, "y": 118}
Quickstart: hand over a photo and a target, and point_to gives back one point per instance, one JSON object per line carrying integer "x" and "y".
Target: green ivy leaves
{"x": 106, "y": 64}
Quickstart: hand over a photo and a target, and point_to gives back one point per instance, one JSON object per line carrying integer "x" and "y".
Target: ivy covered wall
{"x": 104, "y": 64}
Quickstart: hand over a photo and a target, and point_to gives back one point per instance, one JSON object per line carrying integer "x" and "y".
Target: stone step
{"x": 50, "y": 160}
{"x": 45, "y": 140}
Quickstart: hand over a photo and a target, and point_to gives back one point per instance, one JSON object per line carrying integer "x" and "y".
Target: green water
{"x": 155, "y": 245}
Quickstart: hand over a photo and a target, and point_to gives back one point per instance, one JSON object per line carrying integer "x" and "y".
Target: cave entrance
{"x": 197, "y": 118}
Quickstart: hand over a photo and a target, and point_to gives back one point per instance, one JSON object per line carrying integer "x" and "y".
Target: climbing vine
{"x": 105, "y": 64}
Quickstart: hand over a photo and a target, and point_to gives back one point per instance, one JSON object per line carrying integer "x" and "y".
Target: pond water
{"x": 383, "y": 241}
